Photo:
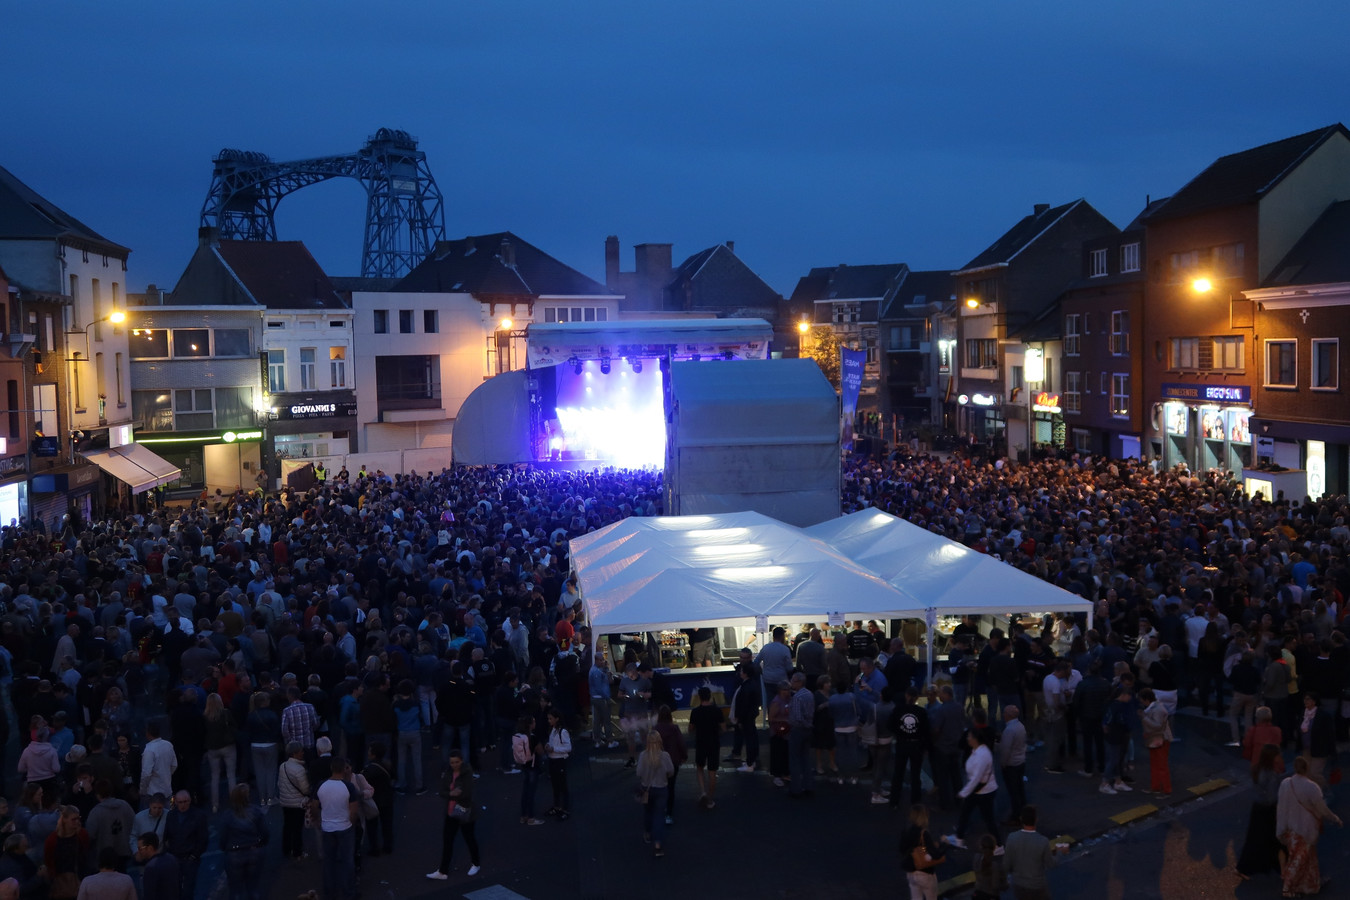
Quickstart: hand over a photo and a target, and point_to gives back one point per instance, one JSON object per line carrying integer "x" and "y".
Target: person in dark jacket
{"x": 17, "y": 864}
{"x": 1089, "y": 705}
{"x": 745, "y": 706}
{"x": 454, "y": 706}
{"x": 186, "y": 833}
{"x": 243, "y": 838}
{"x": 161, "y": 879}
{"x": 376, "y": 773}
{"x": 909, "y": 728}
{"x": 1317, "y": 737}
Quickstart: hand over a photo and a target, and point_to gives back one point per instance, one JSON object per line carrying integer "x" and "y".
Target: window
{"x": 550, "y": 315}
{"x": 191, "y": 342}
{"x": 1082, "y": 440}
{"x": 1120, "y": 332}
{"x": 405, "y": 321}
{"x": 276, "y": 323}
{"x": 981, "y": 353}
{"x": 871, "y": 353}
{"x": 336, "y": 323}
{"x": 12, "y": 408}
{"x": 1072, "y": 334}
{"x": 429, "y": 323}
{"x": 381, "y": 321}
{"x": 408, "y": 382}
{"x": 149, "y": 343}
{"x": 193, "y": 409}
{"x": 1101, "y": 386}
{"x": 276, "y": 371}
{"x": 74, "y": 302}
{"x": 1097, "y": 262}
{"x": 1226, "y": 261}
{"x": 231, "y": 341}
{"x": 234, "y": 408}
{"x": 96, "y": 297}
{"x": 1183, "y": 264}
{"x": 1326, "y": 358}
{"x": 121, "y": 396}
{"x": 1281, "y": 364}
{"x": 116, "y": 304}
{"x": 152, "y": 410}
{"x": 1073, "y": 392}
{"x": 1185, "y": 353}
{"x": 1227, "y": 353}
{"x": 1129, "y": 257}
{"x": 337, "y": 366}
{"x": 1120, "y": 395}
{"x": 307, "y": 381}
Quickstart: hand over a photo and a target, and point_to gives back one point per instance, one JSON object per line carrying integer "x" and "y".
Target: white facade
{"x": 454, "y": 338}
{"x": 308, "y": 352}
{"x": 97, "y": 366}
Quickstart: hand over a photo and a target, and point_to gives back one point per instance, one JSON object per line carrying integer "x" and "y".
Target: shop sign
{"x": 1046, "y": 402}
{"x": 314, "y": 410}
{"x": 1211, "y": 393}
{"x": 978, "y": 399}
{"x": 12, "y": 465}
{"x": 230, "y": 437}
{"x": 47, "y": 446}
{"x": 1317, "y": 469}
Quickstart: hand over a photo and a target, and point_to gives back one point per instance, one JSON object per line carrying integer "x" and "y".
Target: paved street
{"x": 760, "y": 843}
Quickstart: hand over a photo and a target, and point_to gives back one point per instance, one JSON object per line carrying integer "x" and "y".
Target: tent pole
{"x": 930, "y": 619}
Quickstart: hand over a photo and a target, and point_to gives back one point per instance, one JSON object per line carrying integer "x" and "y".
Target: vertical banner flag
{"x": 850, "y": 380}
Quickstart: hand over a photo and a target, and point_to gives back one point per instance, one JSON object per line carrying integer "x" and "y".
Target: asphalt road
{"x": 759, "y": 843}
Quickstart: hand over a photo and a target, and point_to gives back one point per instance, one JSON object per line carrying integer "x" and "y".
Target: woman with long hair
{"x": 1299, "y": 814}
{"x": 979, "y": 789}
{"x": 1158, "y": 740}
{"x": 220, "y": 749}
{"x": 243, "y": 838}
{"x": 1261, "y": 851}
{"x": 460, "y": 815}
{"x": 920, "y": 855}
{"x": 673, "y": 741}
{"x": 654, "y": 769}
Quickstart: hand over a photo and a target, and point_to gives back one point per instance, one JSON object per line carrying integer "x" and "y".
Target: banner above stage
{"x": 554, "y": 344}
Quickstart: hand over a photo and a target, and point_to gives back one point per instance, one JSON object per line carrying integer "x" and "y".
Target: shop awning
{"x": 135, "y": 466}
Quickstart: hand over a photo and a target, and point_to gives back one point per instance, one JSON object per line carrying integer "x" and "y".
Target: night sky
{"x": 809, "y": 133}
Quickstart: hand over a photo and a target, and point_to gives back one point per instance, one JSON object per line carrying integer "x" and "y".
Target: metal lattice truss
{"x": 404, "y": 212}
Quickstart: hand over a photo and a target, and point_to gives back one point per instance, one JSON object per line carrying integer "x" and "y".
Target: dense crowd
{"x": 175, "y": 674}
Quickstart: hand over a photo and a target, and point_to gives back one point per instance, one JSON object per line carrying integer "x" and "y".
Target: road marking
{"x": 1063, "y": 839}
{"x": 953, "y": 884}
{"x": 1131, "y": 815}
{"x": 495, "y": 892}
{"x": 1208, "y": 787}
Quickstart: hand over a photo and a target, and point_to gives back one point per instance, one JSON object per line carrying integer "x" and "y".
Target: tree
{"x": 822, "y": 345}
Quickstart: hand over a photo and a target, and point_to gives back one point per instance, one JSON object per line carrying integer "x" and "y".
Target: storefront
{"x": 64, "y": 490}
{"x": 13, "y": 490}
{"x": 209, "y": 461}
{"x": 982, "y": 417}
{"x": 1047, "y": 421}
{"x": 313, "y": 427}
{"x": 1207, "y": 426}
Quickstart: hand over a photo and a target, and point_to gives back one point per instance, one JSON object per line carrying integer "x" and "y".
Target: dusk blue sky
{"x": 809, "y": 133}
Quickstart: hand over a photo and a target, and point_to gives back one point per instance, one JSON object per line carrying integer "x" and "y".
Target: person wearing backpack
{"x": 527, "y": 761}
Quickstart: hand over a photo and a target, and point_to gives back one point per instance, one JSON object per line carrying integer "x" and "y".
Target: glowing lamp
{"x": 1202, "y": 285}
{"x": 506, "y": 324}
{"x": 803, "y": 327}
{"x": 972, "y": 302}
{"x": 604, "y": 366}
{"x": 117, "y": 317}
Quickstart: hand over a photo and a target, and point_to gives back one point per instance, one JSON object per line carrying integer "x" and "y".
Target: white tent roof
{"x": 646, "y": 574}
{"x": 940, "y": 572}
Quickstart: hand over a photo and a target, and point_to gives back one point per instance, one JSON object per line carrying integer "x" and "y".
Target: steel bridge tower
{"x": 404, "y": 212}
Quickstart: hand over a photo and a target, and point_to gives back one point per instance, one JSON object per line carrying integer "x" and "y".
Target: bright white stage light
{"x": 620, "y": 421}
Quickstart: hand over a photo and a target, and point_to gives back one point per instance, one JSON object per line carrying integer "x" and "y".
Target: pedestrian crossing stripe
{"x": 1131, "y": 815}
{"x": 1208, "y": 787}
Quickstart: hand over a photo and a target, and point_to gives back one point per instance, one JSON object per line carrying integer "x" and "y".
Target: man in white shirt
{"x": 158, "y": 763}
{"x": 337, "y": 807}
{"x": 1058, "y": 686}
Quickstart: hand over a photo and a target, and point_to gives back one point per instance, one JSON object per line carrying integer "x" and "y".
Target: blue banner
{"x": 851, "y": 364}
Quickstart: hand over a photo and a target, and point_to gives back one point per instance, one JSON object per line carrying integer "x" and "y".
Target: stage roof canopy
{"x": 555, "y": 343}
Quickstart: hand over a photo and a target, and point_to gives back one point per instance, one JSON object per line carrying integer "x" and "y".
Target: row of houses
{"x": 1205, "y": 333}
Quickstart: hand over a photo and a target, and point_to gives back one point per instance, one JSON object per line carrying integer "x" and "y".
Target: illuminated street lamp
{"x": 1202, "y": 285}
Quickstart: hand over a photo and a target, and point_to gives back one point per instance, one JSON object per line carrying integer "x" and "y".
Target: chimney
{"x": 731, "y": 245}
{"x": 507, "y": 253}
{"x": 611, "y": 260}
{"x": 1040, "y": 208}
{"x": 653, "y": 261}
{"x": 208, "y": 236}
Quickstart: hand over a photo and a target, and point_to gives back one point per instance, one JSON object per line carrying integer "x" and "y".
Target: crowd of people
{"x": 175, "y": 674}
